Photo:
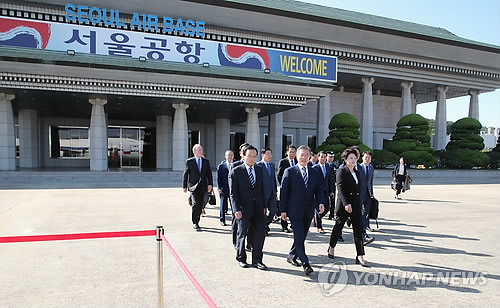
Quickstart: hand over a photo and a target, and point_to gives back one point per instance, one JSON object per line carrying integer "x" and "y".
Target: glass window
{"x": 69, "y": 142}
{"x": 287, "y": 140}
{"x": 311, "y": 142}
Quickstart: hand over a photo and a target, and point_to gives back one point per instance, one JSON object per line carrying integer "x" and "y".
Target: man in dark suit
{"x": 223, "y": 184}
{"x": 246, "y": 184}
{"x": 234, "y": 222}
{"x": 366, "y": 171}
{"x": 301, "y": 193}
{"x": 328, "y": 188}
{"x": 330, "y": 157}
{"x": 198, "y": 178}
{"x": 287, "y": 162}
{"x": 270, "y": 185}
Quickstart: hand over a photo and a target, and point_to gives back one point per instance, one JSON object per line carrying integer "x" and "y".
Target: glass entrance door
{"x": 131, "y": 147}
{"x": 125, "y": 147}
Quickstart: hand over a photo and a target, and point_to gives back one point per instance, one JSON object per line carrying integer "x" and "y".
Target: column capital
{"x": 98, "y": 101}
{"x": 7, "y": 96}
{"x": 252, "y": 110}
{"x": 368, "y": 80}
{"x": 407, "y": 84}
{"x": 180, "y": 106}
{"x": 442, "y": 89}
{"x": 473, "y": 92}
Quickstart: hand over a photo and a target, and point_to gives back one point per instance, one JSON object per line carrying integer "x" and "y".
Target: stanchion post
{"x": 159, "y": 232}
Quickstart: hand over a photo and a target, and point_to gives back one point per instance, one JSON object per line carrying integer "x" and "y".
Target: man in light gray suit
{"x": 270, "y": 185}
{"x": 366, "y": 171}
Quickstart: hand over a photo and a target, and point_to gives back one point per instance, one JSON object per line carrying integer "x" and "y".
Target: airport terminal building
{"x": 108, "y": 85}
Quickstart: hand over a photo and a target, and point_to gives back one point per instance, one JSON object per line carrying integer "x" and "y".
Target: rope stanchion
{"x": 74, "y": 236}
{"x": 190, "y": 276}
{"x": 159, "y": 265}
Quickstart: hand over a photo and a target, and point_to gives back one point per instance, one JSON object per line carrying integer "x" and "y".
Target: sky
{"x": 478, "y": 20}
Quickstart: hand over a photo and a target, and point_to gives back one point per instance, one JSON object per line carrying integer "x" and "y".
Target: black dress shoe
{"x": 307, "y": 269}
{"x": 286, "y": 230}
{"x": 249, "y": 249}
{"x": 368, "y": 240}
{"x": 222, "y": 223}
{"x": 341, "y": 239}
{"x": 292, "y": 261}
{"x": 243, "y": 264}
{"x": 260, "y": 266}
{"x": 364, "y": 264}
{"x": 329, "y": 255}
{"x": 196, "y": 227}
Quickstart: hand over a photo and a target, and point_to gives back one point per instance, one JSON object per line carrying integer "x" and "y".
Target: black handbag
{"x": 211, "y": 198}
{"x": 374, "y": 210}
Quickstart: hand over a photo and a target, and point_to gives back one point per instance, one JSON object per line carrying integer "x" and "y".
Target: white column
{"x": 323, "y": 119}
{"x": 28, "y": 138}
{"x": 222, "y": 138}
{"x": 440, "y": 131}
{"x": 253, "y": 131}
{"x": 98, "y": 135}
{"x": 163, "y": 141}
{"x": 474, "y": 104}
{"x": 7, "y": 134}
{"x": 405, "y": 98}
{"x": 179, "y": 137}
{"x": 276, "y": 135}
{"x": 367, "y": 112}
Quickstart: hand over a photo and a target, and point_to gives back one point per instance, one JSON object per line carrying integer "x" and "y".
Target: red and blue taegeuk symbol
{"x": 14, "y": 32}
{"x": 243, "y": 56}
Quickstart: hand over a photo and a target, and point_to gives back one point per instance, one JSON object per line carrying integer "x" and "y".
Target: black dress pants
{"x": 340, "y": 220}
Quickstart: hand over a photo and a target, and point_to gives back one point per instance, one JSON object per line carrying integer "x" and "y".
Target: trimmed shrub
{"x": 465, "y": 135}
{"x": 419, "y": 158}
{"x": 384, "y": 158}
{"x": 344, "y": 133}
{"x": 463, "y": 159}
{"x": 494, "y": 159}
{"x": 400, "y": 146}
{"x": 412, "y": 139}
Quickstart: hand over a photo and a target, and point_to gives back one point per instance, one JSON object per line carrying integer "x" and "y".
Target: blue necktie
{"x": 268, "y": 169}
{"x": 199, "y": 164}
{"x": 304, "y": 175}
{"x": 250, "y": 175}
{"x": 324, "y": 171}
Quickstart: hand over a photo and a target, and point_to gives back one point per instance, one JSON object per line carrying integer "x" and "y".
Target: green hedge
{"x": 494, "y": 159}
{"x": 463, "y": 159}
{"x": 383, "y": 158}
{"x": 465, "y": 135}
{"x": 399, "y": 146}
{"x": 419, "y": 158}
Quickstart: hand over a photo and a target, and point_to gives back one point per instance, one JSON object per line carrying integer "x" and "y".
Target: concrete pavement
{"x": 436, "y": 230}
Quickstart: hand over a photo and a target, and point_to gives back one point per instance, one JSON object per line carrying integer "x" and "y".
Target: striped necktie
{"x": 250, "y": 175}
{"x": 304, "y": 175}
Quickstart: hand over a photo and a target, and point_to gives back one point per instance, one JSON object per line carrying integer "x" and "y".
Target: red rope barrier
{"x": 74, "y": 236}
{"x": 193, "y": 280}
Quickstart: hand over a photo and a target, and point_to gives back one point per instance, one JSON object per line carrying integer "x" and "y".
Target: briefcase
{"x": 374, "y": 210}
{"x": 211, "y": 198}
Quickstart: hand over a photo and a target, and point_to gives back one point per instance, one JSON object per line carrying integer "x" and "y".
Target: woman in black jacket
{"x": 399, "y": 175}
{"x": 348, "y": 205}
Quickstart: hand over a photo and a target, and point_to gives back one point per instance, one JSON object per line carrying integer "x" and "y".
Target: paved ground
{"x": 437, "y": 230}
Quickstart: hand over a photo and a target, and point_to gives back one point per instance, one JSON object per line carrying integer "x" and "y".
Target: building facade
{"x": 67, "y": 102}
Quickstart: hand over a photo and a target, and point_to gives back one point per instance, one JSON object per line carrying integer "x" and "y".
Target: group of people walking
{"x": 308, "y": 188}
